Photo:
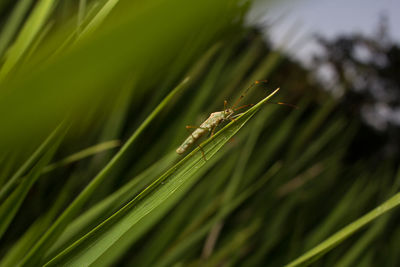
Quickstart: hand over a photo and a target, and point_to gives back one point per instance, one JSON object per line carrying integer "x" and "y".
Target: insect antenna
{"x": 258, "y": 82}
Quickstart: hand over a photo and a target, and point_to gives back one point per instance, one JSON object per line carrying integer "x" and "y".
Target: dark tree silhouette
{"x": 365, "y": 72}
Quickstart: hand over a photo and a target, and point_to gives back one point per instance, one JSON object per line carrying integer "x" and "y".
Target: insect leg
{"x": 245, "y": 106}
{"x": 213, "y": 130}
{"x": 202, "y": 153}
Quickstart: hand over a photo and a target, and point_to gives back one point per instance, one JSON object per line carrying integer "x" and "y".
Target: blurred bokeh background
{"x": 94, "y": 101}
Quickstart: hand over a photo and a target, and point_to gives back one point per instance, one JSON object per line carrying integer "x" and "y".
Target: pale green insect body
{"x": 208, "y": 125}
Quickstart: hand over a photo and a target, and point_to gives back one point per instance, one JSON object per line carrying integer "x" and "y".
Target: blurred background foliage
{"x": 78, "y": 82}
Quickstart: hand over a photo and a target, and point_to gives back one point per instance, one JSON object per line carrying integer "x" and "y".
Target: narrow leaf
{"x": 345, "y": 233}
{"x": 48, "y": 239}
{"x": 93, "y": 245}
{"x": 12, "y": 204}
{"x": 27, "y": 35}
{"x": 29, "y": 163}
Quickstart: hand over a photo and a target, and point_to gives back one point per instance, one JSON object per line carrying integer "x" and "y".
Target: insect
{"x": 213, "y": 121}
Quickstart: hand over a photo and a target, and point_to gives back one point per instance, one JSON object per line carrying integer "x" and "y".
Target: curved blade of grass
{"x": 11, "y": 205}
{"x": 12, "y": 24}
{"x": 178, "y": 216}
{"x": 81, "y": 13}
{"x": 38, "y": 228}
{"x": 47, "y": 240}
{"x": 357, "y": 250}
{"x": 122, "y": 246}
{"x": 335, "y": 216}
{"x": 345, "y": 233}
{"x": 238, "y": 241}
{"x": 199, "y": 202}
{"x": 93, "y": 245}
{"x": 29, "y": 163}
{"x": 70, "y": 159}
{"x": 13, "y": 182}
{"x": 105, "y": 208}
{"x": 235, "y": 181}
{"x": 87, "y": 152}
{"x": 100, "y": 16}
{"x": 311, "y": 127}
{"x": 87, "y": 220}
{"x": 183, "y": 245}
{"x": 360, "y": 247}
{"x": 28, "y": 33}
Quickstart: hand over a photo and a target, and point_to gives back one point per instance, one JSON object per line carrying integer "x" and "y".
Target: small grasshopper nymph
{"x": 212, "y": 122}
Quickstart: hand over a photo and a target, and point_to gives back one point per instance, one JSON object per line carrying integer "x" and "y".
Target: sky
{"x": 327, "y": 18}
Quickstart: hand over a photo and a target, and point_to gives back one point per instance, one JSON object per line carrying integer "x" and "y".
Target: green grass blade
{"x": 100, "y": 17}
{"x": 236, "y": 180}
{"x": 32, "y": 27}
{"x": 194, "y": 205}
{"x": 336, "y": 215}
{"x": 87, "y": 152}
{"x": 12, "y": 24}
{"x": 17, "y": 251}
{"x": 345, "y": 233}
{"x": 278, "y": 138}
{"x": 93, "y": 245}
{"x": 37, "y": 228}
{"x": 105, "y": 208}
{"x": 42, "y": 246}
{"x": 228, "y": 251}
{"x": 72, "y": 158}
{"x": 360, "y": 247}
{"x": 175, "y": 252}
{"x": 358, "y": 250}
{"x": 11, "y": 205}
{"x": 29, "y": 163}
{"x": 81, "y": 14}
{"x": 116, "y": 251}
{"x": 311, "y": 127}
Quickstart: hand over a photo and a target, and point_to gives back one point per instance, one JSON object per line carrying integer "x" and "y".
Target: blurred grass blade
{"x": 100, "y": 17}
{"x": 42, "y": 246}
{"x": 142, "y": 227}
{"x": 183, "y": 245}
{"x": 33, "y": 159}
{"x": 239, "y": 240}
{"x": 311, "y": 127}
{"x": 81, "y": 13}
{"x": 86, "y": 221}
{"x": 9, "y": 208}
{"x": 378, "y": 228}
{"x": 32, "y": 27}
{"x": 324, "y": 247}
{"x": 12, "y": 24}
{"x": 38, "y": 228}
{"x": 15, "y": 180}
{"x": 93, "y": 245}
{"x": 188, "y": 209}
{"x": 336, "y": 215}
{"x": 105, "y": 208}
{"x": 236, "y": 180}
{"x": 360, "y": 247}
{"x": 87, "y": 152}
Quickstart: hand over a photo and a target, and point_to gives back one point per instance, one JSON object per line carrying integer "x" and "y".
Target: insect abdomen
{"x": 190, "y": 140}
